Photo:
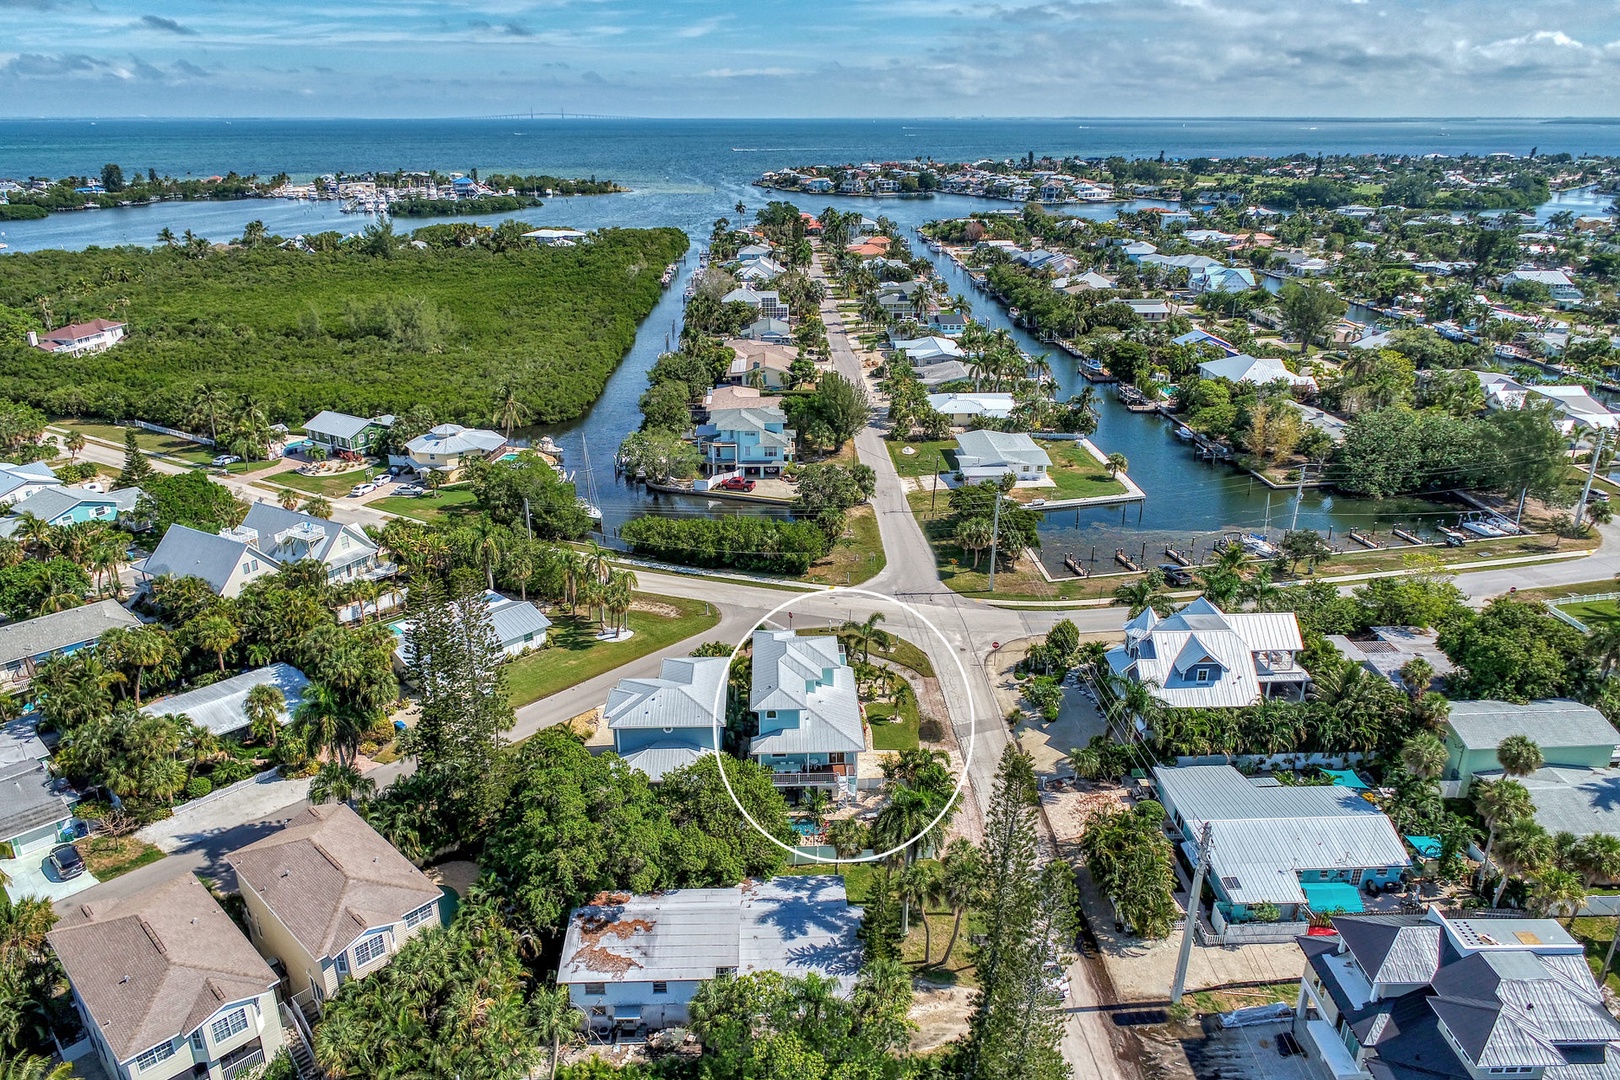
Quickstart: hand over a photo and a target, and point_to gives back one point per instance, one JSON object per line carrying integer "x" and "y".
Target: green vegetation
{"x": 483, "y": 204}
{"x": 329, "y": 486}
{"x": 108, "y": 856}
{"x": 1077, "y": 474}
{"x": 367, "y": 328}
{"x": 894, "y": 725}
{"x": 1594, "y": 612}
{"x": 445, "y": 505}
{"x": 573, "y": 654}
{"x": 857, "y": 554}
{"x": 1131, "y": 859}
{"x": 737, "y": 541}
{"x": 934, "y": 455}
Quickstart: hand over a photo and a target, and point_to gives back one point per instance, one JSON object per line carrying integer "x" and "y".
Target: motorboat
{"x": 1255, "y": 544}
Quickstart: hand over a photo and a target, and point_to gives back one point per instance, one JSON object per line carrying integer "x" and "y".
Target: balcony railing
{"x": 234, "y": 1065}
{"x": 812, "y": 777}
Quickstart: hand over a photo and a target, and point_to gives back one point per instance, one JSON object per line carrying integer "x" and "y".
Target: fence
{"x": 1564, "y": 617}
{"x": 176, "y": 432}
{"x": 1218, "y": 931}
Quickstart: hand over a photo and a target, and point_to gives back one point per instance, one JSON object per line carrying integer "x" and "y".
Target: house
{"x": 927, "y": 350}
{"x": 33, "y": 812}
{"x": 1576, "y": 410}
{"x": 730, "y": 397}
{"x": 767, "y": 302}
{"x": 947, "y": 323}
{"x": 807, "y": 720}
{"x": 1299, "y": 849}
{"x": 636, "y": 961}
{"x": 761, "y": 364}
{"x": 27, "y": 644}
{"x": 1197, "y": 336}
{"x": 221, "y": 707}
{"x": 225, "y": 563}
{"x": 340, "y": 433}
{"x": 1221, "y": 279}
{"x": 518, "y": 625}
{"x": 288, "y": 536}
{"x": 943, "y": 371}
{"x": 872, "y": 247}
{"x": 755, "y": 441}
{"x": 818, "y": 185}
{"x": 18, "y": 482}
{"x": 1432, "y": 997}
{"x": 772, "y": 331}
{"x": 447, "y": 447}
{"x": 1570, "y": 735}
{"x": 1149, "y": 311}
{"x": 1136, "y": 249}
{"x": 556, "y": 237}
{"x": 760, "y": 269}
{"x": 1388, "y": 649}
{"x": 80, "y": 338}
{"x": 750, "y": 252}
{"x": 1193, "y": 264}
{"x": 662, "y": 724}
{"x": 330, "y": 900}
{"x": 1202, "y": 657}
{"x": 990, "y": 455}
{"x": 1087, "y": 282}
{"x": 167, "y": 985}
{"x": 1558, "y": 283}
{"x": 1261, "y": 371}
{"x": 71, "y": 506}
{"x": 1579, "y": 801}
{"x": 963, "y": 409}
{"x": 898, "y": 298}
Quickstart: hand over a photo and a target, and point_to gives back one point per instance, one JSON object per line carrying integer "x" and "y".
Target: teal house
{"x": 71, "y": 506}
{"x": 663, "y": 724}
{"x": 807, "y": 717}
{"x": 1571, "y": 735}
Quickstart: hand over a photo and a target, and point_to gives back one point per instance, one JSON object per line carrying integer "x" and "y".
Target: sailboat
{"x": 587, "y": 502}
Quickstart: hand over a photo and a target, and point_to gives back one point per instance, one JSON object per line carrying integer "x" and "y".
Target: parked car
{"x": 66, "y": 861}
{"x": 737, "y": 483}
{"x": 1175, "y": 575}
{"x": 361, "y": 489}
{"x": 410, "y": 490}
{"x": 226, "y": 459}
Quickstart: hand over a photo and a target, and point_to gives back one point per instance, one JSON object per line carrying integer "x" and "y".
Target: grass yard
{"x": 1593, "y": 612}
{"x": 930, "y": 457}
{"x": 333, "y": 487}
{"x": 1077, "y": 474}
{"x": 1575, "y": 590}
{"x": 448, "y": 503}
{"x": 956, "y": 969}
{"x": 1594, "y": 935}
{"x": 890, "y": 732}
{"x": 108, "y": 856}
{"x": 575, "y": 655}
{"x": 900, "y": 651}
{"x": 155, "y": 442}
{"x": 856, "y": 556}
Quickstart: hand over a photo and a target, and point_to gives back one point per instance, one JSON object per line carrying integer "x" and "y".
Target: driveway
{"x": 29, "y": 877}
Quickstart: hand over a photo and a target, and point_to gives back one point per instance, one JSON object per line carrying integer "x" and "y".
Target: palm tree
{"x": 1604, "y": 646}
{"x": 1522, "y": 847}
{"x": 973, "y": 535}
{"x": 848, "y": 837}
{"x": 1086, "y": 762}
{"x": 207, "y": 403}
{"x": 920, "y": 885}
{"x": 868, "y": 633}
{"x": 1518, "y": 755}
{"x": 618, "y": 594}
{"x": 263, "y": 708}
{"x": 216, "y": 634}
{"x": 1416, "y": 675}
{"x": 1558, "y": 890}
{"x": 1597, "y": 857}
{"x": 1116, "y": 464}
{"x": 75, "y": 444}
{"x": 1499, "y": 803}
{"x": 288, "y": 499}
{"x": 510, "y": 410}
{"x": 166, "y": 237}
{"x": 557, "y": 1020}
{"x": 318, "y": 506}
{"x": 961, "y": 884}
{"x": 30, "y": 1067}
{"x": 339, "y": 782}
{"x": 1424, "y": 755}
{"x": 1140, "y": 594}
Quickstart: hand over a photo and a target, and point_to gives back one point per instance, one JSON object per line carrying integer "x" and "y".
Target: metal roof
{"x": 1482, "y": 725}
{"x": 982, "y": 448}
{"x": 659, "y": 760}
{"x": 793, "y": 925}
{"x": 338, "y": 424}
{"x": 61, "y": 630}
{"x": 1494, "y": 1035}
{"x": 455, "y": 439}
{"x": 287, "y": 535}
{"x": 222, "y": 707}
{"x": 683, "y": 696}
{"x": 1157, "y": 651}
{"x": 513, "y": 620}
{"x": 994, "y": 406}
{"x": 809, "y": 675}
{"x": 1393, "y": 948}
{"x": 51, "y": 503}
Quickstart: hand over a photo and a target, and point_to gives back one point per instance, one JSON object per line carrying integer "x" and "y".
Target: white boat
{"x": 1255, "y": 544}
{"x": 1480, "y": 528}
{"x": 1183, "y": 432}
{"x": 1481, "y": 524}
{"x": 592, "y": 511}
{"x": 548, "y": 445}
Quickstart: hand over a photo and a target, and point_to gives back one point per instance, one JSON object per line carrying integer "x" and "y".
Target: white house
{"x": 768, "y": 302}
{"x": 77, "y": 339}
{"x": 221, "y": 707}
{"x": 1151, "y": 311}
{"x": 1575, "y": 408}
{"x": 289, "y": 536}
{"x": 927, "y": 350}
{"x": 634, "y": 962}
{"x": 990, "y": 455}
{"x": 17, "y": 482}
{"x": 519, "y": 626}
{"x": 662, "y": 724}
{"x": 446, "y": 447}
{"x": 225, "y": 563}
{"x": 1243, "y": 368}
{"x": 963, "y": 409}
{"x": 1563, "y": 290}
{"x": 1203, "y": 657}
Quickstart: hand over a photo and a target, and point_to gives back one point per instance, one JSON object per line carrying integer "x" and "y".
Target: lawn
{"x": 574, "y": 655}
{"x": 889, "y": 733}
{"x": 449, "y": 502}
{"x": 957, "y": 968}
{"x": 332, "y": 487}
{"x": 155, "y": 442}
{"x": 108, "y": 856}
{"x": 900, "y": 651}
{"x": 1076, "y": 473}
{"x": 1214, "y": 1001}
{"x": 1595, "y": 934}
{"x": 1593, "y": 612}
{"x": 930, "y": 457}
{"x": 1558, "y": 593}
{"x": 856, "y": 556}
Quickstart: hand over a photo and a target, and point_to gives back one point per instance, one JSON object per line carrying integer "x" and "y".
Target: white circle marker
{"x": 718, "y": 710}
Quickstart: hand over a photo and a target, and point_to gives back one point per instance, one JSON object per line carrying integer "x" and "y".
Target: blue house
{"x": 662, "y": 724}
{"x": 27, "y": 644}
{"x": 70, "y": 506}
{"x": 755, "y": 441}
{"x": 807, "y": 717}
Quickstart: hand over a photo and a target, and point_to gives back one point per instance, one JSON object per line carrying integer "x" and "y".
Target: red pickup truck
{"x": 737, "y": 483}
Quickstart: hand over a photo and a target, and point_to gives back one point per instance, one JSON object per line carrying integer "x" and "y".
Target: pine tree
{"x": 137, "y": 469}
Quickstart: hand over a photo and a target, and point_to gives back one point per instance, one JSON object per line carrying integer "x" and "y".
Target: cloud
{"x": 703, "y": 28}
{"x": 752, "y": 73}
{"x": 158, "y": 22}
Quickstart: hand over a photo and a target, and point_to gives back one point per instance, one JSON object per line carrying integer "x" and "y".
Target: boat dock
{"x": 1177, "y": 557}
{"x": 1402, "y": 534}
{"x": 1073, "y": 567}
{"x": 1126, "y": 561}
{"x": 1364, "y": 540}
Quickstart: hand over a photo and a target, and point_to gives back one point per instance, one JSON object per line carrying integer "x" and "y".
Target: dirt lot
{"x": 940, "y": 1013}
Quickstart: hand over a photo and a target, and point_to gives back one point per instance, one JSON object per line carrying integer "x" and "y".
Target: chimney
{"x": 33, "y": 339}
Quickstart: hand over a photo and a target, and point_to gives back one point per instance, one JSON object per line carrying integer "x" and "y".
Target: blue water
{"x": 687, "y": 173}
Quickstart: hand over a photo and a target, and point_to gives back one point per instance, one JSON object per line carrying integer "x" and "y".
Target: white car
{"x": 226, "y": 459}
{"x": 410, "y": 490}
{"x": 361, "y": 489}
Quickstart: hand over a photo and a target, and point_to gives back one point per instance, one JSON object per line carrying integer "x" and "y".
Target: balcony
{"x": 811, "y": 778}
{"x": 240, "y": 1061}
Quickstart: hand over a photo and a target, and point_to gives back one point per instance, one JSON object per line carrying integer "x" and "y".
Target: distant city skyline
{"x": 838, "y": 58}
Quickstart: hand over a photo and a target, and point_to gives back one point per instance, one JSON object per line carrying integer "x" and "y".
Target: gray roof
{"x": 1579, "y": 801}
{"x": 793, "y": 925}
{"x": 61, "y": 630}
{"x": 20, "y": 741}
{"x": 53, "y": 502}
{"x": 338, "y": 424}
{"x": 13, "y": 477}
{"x": 807, "y": 674}
{"x": 660, "y": 759}
{"x": 1482, "y": 725}
{"x": 287, "y": 535}
{"x": 981, "y": 448}
{"x": 1562, "y": 1001}
{"x": 188, "y": 552}
{"x": 683, "y": 696}
{"x": 514, "y": 619}
{"x": 1494, "y": 1035}
{"x": 1265, "y": 835}
{"x": 1392, "y": 948}
{"x": 455, "y": 439}
{"x": 26, "y": 800}
{"x": 222, "y": 707}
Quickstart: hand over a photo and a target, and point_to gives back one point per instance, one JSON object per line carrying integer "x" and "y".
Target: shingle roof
{"x": 221, "y": 707}
{"x": 329, "y": 877}
{"x": 188, "y": 552}
{"x": 287, "y": 535}
{"x": 155, "y": 965}
{"x": 981, "y": 448}
{"x": 61, "y": 630}
{"x": 1482, "y": 725}
{"x": 26, "y": 800}
{"x": 793, "y": 925}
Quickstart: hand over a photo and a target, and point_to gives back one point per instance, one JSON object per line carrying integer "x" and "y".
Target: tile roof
{"x": 793, "y": 925}
{"x": 221, "y": 707}
{"x": 994, "y": 406}
{"x": 155, "y": 965}
{"x": 329, "y": 877}
{"x": 61, "y": 629}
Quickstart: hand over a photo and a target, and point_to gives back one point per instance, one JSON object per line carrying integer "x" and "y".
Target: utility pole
{"x": 995, "y": 535}
{"x": 1299, "y": 497}
{"x": 1586, "y": 492}
{"x": 526, "y": 526}
{"x": 1206, "y": 844}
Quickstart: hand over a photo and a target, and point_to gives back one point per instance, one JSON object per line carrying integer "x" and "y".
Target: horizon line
{"x": 584, "y": 116}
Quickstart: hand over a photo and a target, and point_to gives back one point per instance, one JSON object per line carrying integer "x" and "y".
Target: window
{"x": 599, "y": 1010}
{"x": 343, "y": 963}
{"x": 253, "y": 566}
{"x": 725, "y": 971}
{"x": 422, "y": 914}
{"x": 770, "y": 714}
{"x": 160, "y": 1052}
{"x": 660, "y": 987}
{"x": 197, "y": 1040}
{"x": 368, "y": 950}
{"x": 596, "y": 989}
{"x": 232, "y": 1023}
{"x": 1202, "y": 675}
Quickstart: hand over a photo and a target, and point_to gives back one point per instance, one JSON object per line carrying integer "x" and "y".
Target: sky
{"x": 810, "y": 58}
